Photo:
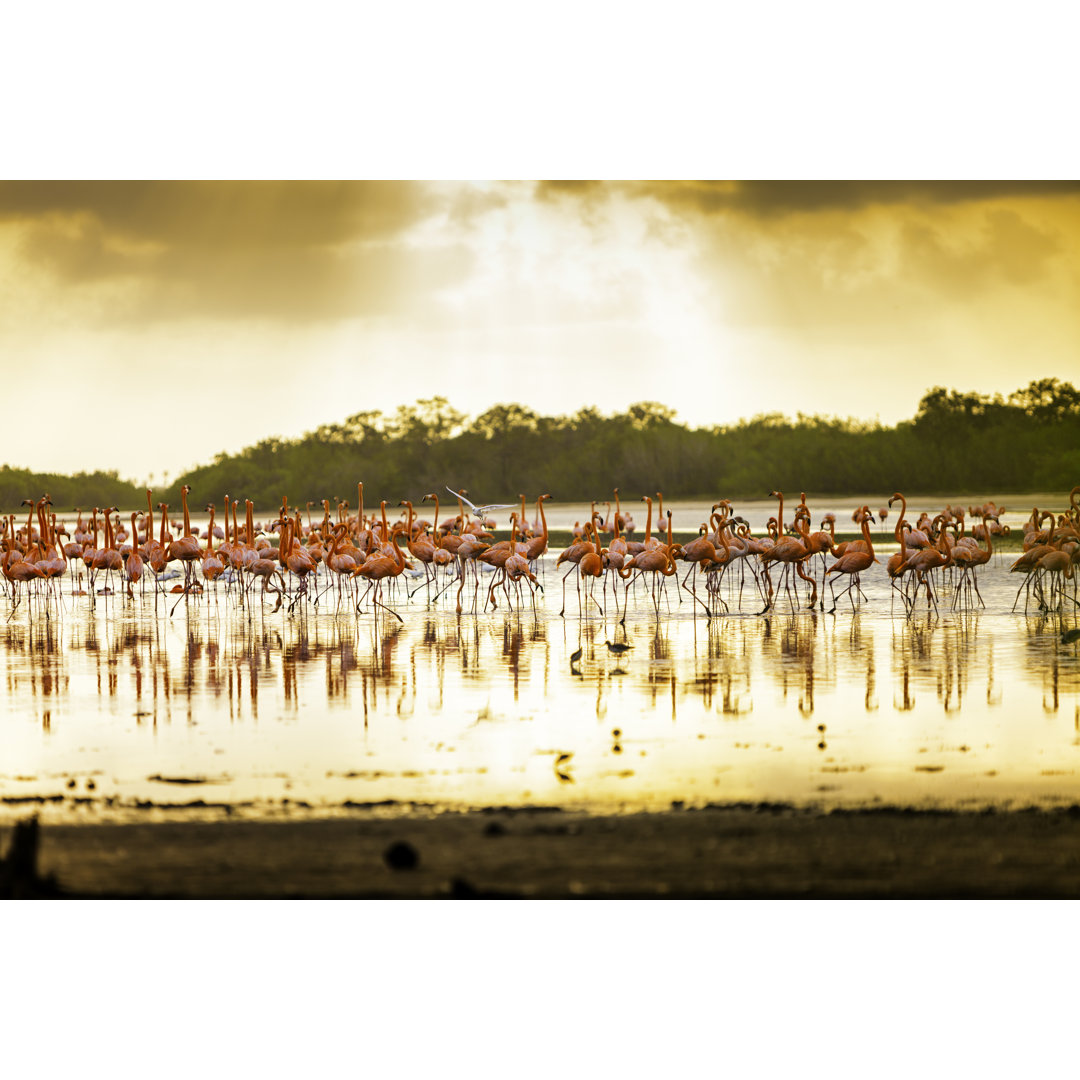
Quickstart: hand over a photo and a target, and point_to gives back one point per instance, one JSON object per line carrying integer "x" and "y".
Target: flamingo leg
{"x": 693, "y": 591}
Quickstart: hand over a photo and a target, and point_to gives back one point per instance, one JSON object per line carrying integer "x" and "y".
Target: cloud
{"x": 551, "y": 190}
{"x": 772, "y": 198}
{"x": 1006, "y": 250}
{"x": 769, "y": 198}
{"x": 470, "y": 203}
{"x": 300, "y": 285}
{"x": 276, "y": 250}
{"x": 892, "y": 271}
{"x": 227, "y": 214}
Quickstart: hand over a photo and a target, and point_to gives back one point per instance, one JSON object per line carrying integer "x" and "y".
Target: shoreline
{"x": 738, "y": 851}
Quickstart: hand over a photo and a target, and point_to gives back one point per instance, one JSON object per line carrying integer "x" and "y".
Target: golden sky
{"x": 209, "y": 315}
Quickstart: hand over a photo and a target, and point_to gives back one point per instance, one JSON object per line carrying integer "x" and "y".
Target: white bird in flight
{"x": 480, "y": 511}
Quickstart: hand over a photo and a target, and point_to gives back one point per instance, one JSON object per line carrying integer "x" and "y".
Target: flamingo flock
{"x": 364, "y": 561}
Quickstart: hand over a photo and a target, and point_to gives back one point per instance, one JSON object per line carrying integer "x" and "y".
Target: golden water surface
{"x": 118, "y": 707}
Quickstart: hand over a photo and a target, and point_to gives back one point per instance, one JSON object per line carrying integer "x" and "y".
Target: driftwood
{"x": 19, "y": 878}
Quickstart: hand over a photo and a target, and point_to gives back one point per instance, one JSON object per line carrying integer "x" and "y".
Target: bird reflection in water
{"x": 907, "y": 701}
{"x": 414, "y": 690}
{"x": 940, "y": 656}
{"x": 161, "y": 665}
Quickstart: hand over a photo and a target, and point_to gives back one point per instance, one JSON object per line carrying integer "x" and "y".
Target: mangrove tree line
{"x": 956, "y": 444}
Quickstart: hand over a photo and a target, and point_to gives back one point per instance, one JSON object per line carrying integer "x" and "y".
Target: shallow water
{"x": 115, "y": 708}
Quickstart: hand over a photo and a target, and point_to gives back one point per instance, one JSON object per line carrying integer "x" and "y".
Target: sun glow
{"x": 271, "y": 309}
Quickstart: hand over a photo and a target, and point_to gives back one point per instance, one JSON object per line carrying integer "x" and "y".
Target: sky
{"x": 210, "y": 315}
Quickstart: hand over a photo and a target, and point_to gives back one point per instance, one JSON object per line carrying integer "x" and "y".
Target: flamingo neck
{"x": 899, "y": 531}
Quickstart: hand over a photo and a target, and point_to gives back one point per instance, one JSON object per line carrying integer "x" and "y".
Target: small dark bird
{"x": 575, "y": 656}
{"x": 618, "y": 647}
{"x": 562, "y": 765}
{"x": 1070, "y": 636}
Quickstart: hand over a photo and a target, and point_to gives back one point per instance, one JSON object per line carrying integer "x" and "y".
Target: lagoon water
{"x": 118, "y": 708}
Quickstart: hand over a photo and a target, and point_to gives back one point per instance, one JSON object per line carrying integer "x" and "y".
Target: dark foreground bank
{"x": 723, "y": 852}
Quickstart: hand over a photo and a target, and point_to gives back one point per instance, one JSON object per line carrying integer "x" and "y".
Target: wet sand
{"x": 740, "y": 851}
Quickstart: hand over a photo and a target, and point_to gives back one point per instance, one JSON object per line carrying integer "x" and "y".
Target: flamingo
{"x": 341, "y": 563}
{"x": 19, "y": 572}
{"x": 537, "y": 546}
{"x": 225, "y": 548}
{"x": 574, "y": 554}
{"x": 591, "y": 565}
{"x": 517, "y": 566}
{"x": 649, "y": 541}
{"x": 497, "y": 555}
{"x": 267, "y": 568}
{"x": 699, "y": 552}
{"x": 656, "y": 561}
{"x": 802, "y": 523}
{"x": 186, "y": 549}
{"x": 377, "y": 568}
{"x": 733, "y": 534}
{"x": 513, "y": 567}
{"x": 897, "y": 563}
{"x": 106, "y": 558}
{"x": 133, "y": 567}
{"x": 158, "y": 557}
{"x": 787, "y": 550}
{"x": 448, "y": 541}
{"x": 298, "y": 559}
{"x": 443, "y": 554}
{"x": 617, "y": 550}
{"x": 469, "y": 550}
{"x": 853, "y": 563}
{"x": 1059, "y": 565}
{"x": 151, "y": 544}
{"x": 213, "y": 566}
{"x": 928, "y": 559}
{"x": 421, "y": 547}
{"x": 969, "y": 557}
{"x": 50, "y": 561}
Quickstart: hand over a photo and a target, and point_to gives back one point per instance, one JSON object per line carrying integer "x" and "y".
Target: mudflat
{"x": 732, "y": 851}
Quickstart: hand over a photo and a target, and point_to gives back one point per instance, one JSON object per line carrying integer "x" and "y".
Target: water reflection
{"x": 262, "y": 711}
